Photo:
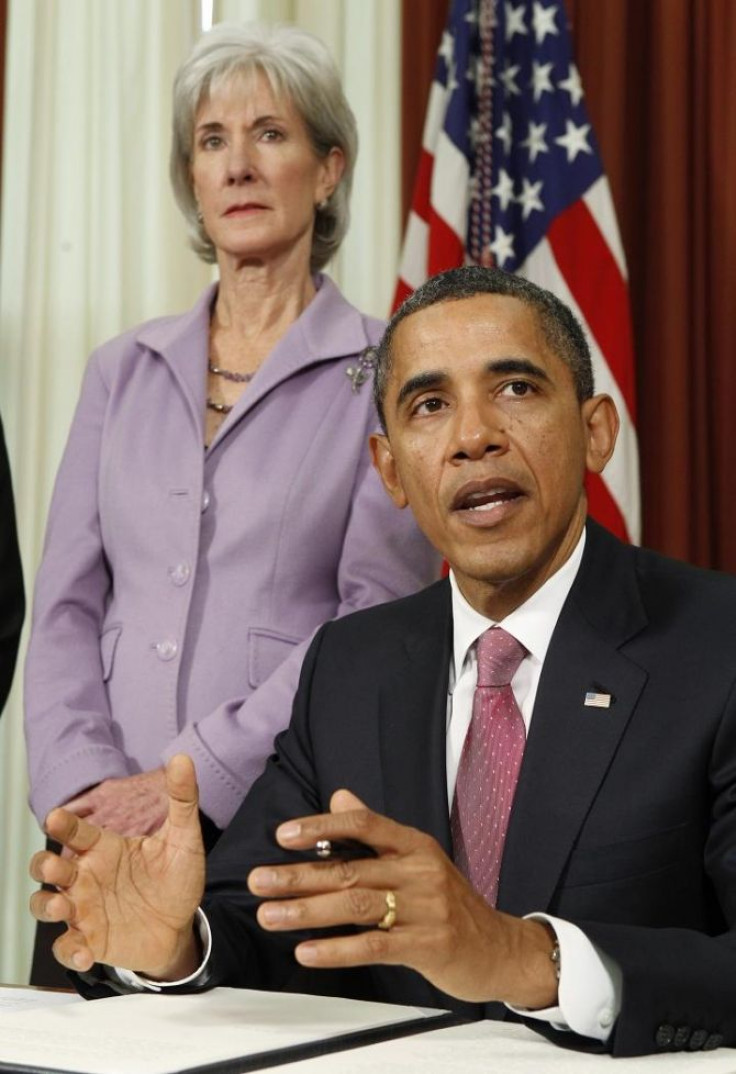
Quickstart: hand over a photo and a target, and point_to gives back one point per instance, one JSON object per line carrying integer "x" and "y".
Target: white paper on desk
{"x": 23, "y": 998}
{"x": 153, "y": 1033}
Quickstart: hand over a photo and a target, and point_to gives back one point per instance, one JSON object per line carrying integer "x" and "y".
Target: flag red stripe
{"x": 603, "y": 507}
{"x": 591, "y": 272}
{"x": 403, "y": 290}
{"x": 446, "y": 248}
{"x": 423, "y": 185}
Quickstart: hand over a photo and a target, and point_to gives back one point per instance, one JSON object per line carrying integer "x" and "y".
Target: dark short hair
{"x": 561, "y": 328}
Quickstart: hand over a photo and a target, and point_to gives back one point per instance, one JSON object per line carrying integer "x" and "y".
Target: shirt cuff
{"x": 589, "y": 990}
{"x": 138, "y": 983}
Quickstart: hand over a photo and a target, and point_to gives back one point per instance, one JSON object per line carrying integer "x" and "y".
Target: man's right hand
{"x": 127, "y": 902}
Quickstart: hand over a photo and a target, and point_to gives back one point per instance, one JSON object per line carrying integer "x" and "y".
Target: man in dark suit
{"x": 12, "y": 602}
{"x": 610, "y": 924}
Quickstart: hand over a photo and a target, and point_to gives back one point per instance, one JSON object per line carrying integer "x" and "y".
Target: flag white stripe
{"x": 435, "y": 118}
{"x": 622, "y": 473}
{"x": 450, "y": 194}
{"x": 413, "y": 270}
{"x": 599, "y": 201}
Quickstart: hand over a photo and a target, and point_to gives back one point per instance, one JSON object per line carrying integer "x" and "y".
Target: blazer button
{"x": 205, "y": 500}
{"x": 697, "y": 1039}
{"x": 664, "y": 1036}
{"x": 682, "y": 1036}
{"x": 715, "y": 1040}
{"x": 167, "y": 649}
{"x": 180, "y": 574}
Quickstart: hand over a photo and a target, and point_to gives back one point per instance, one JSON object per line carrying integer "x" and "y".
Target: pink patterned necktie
{"x": 489, "y": 764}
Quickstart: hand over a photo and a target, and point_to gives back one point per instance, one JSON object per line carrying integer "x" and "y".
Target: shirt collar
{"x": 532, "y": 623}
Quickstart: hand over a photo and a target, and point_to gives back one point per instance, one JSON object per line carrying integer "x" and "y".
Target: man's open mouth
{"x": 488, "y": 496}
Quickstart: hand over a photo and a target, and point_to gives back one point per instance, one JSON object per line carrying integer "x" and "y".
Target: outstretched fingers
{"x": 72, "y": 832}
{"x": 396, "y": 947}
{"x": 350, "y": 821}
{"x": 51, "y": 906}
{"x": 360, "y": 906}
{"x": 49, "y": 868}
{"x": 73, "y": 952}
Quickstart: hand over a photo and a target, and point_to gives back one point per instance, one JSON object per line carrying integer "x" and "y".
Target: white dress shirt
{"x": 589, "y": 989}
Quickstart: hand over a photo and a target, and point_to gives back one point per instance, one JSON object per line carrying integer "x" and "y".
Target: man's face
{"x": 488, "y": 444}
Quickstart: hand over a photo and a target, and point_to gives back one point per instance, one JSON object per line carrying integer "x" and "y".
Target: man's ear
{"x": 601, "y": 428}
{"x": 384, "y": 462}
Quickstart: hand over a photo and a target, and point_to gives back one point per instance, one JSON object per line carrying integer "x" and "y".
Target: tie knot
{"x": 499, "y": 655}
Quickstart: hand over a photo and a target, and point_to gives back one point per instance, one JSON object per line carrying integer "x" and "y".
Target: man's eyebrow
{"x": 420, "y": 383}
{"x": 522, "y": 366}
{"x": 437, "y": 378}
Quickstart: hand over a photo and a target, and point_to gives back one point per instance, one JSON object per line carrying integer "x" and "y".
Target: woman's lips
{"x": 240, "y": 210}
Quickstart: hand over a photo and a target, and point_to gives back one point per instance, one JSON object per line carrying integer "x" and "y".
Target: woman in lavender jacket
{"x": 215, "y": 502}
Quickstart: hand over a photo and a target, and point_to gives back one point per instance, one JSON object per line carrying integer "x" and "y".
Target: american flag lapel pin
{"x": 595, "y": 699}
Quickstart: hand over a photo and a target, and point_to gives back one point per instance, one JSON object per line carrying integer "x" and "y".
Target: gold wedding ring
{"x": 389, "y": 918}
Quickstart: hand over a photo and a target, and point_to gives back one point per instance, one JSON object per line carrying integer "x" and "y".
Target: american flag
{"x": 510, "y": 174}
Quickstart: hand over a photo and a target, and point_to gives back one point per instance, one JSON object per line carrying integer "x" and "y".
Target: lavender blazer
{"x": 179, "y": 587}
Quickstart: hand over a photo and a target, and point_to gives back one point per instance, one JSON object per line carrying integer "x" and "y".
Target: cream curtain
{"x": 91, "y": 243}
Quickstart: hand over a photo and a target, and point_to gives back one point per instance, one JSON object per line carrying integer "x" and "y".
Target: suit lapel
{"x": 413, "y": 720}
{"x": 571, "y": 745}
{"x": 412, "y": 736}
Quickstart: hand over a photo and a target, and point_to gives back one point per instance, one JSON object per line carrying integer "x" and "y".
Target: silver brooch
{"x": 363, "y": 370}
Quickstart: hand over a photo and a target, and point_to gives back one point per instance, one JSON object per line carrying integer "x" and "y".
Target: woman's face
{"x": 255, "y": 174}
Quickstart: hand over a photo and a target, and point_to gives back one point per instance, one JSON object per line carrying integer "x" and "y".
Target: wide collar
{"x": 532, "y": 623}
{"x": 329, "y": 328}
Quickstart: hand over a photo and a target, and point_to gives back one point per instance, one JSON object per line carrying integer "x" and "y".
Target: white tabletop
{"x": 500, "y": 1048}
{"x": 482, "y": 1047}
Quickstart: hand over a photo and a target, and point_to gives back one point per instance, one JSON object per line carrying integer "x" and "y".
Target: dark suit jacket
{"x": 12, "y": 604}
{"x": 624, "y": 820}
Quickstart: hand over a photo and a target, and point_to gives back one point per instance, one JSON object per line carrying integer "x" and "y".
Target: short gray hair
{"x": 562, "y": 330}
{"x": 298, "y": 67}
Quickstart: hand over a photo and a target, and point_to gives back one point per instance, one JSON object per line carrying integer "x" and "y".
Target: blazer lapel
{"x": 413, "y": 721}
{"x": 182, "y": 343}
{"x": 329, "y": 328}
{"x": 571, "y": 744}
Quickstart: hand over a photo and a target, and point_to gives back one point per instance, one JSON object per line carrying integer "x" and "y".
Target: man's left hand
{"x": 443, "y": 928}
